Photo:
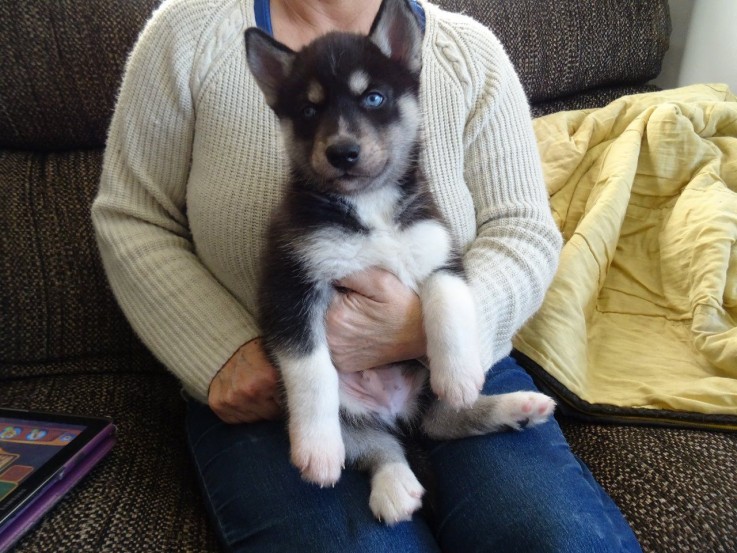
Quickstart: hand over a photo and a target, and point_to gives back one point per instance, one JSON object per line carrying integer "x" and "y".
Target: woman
{"x": 192, "y": 171}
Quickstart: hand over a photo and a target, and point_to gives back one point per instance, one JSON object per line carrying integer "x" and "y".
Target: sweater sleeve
{"x": 180, "y": 311}
{"x": 512, "y": 261}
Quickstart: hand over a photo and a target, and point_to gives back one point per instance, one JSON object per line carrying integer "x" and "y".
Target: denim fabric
{"x": 508, "y": 492}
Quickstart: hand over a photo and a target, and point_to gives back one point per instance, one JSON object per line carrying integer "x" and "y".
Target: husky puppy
{"x": 349, "y": 110}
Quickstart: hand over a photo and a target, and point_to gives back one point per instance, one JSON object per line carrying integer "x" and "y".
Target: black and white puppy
{"x": 349, "y": 110}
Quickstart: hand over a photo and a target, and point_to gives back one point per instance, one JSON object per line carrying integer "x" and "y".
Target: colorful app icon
{"x": 16, "y": 473}
{"x": 36, "y": 434}
{"x": 67, "y": 437}
{"x": 10, "y": 432}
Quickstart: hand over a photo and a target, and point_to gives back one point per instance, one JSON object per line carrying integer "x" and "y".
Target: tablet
{"x": 42, "y": 455}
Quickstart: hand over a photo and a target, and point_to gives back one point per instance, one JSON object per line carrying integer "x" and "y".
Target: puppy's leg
{"x": 311, "y": 384}
{"x": 449, "y": 316}
{"x": 395, "y": 491}
{"x": 512, "y": 411}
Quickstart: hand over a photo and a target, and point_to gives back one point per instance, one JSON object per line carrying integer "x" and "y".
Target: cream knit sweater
{"x": 194, "y": 166}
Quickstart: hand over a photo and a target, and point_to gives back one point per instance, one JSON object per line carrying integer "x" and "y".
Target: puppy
{"x": 349, "y": 111}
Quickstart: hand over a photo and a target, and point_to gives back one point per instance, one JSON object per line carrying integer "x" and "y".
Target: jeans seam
{"x": 206, "y": 493}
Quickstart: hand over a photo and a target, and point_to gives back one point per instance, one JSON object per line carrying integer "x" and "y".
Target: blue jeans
{"x": 513, "y": 491}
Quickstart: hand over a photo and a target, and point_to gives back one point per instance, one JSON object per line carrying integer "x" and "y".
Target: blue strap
{"x": 420, "y": 13}
{"x": 263, "y": 14}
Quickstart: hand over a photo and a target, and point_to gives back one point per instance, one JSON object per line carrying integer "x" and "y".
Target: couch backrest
{"x": 563, "y": 47}
{"x": 61, "y": 66}
{"x": 62, "y": 59}
{"x": 60, "y": 71}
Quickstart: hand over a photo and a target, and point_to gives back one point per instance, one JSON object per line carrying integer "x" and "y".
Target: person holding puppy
{"x": 193, "y": 168}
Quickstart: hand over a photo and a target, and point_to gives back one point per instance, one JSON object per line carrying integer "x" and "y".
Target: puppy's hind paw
{"x": 520, "y": 410}
{"x": 395, "y": 493}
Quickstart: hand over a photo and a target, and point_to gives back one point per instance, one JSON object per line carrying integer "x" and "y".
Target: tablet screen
{"x": 27, "y": 445}
{"x": 36, "y": 451}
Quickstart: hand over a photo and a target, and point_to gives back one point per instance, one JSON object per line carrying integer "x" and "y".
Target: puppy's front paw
{"x": 458, "y": 385}
{"x": 522, "y": 409}
{"x": 320, "y": 457}
{"x": 395, "y": 493}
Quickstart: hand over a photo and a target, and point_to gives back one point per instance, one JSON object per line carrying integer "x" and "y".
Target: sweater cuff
{"x": 211, "y": 358}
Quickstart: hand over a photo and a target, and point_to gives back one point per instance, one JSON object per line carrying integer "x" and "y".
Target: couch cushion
{"x": 144, "y": 495}
{"x": 61, "y": 67}
{"x": 560, "y": 48}
{"x": 54, "y": 297}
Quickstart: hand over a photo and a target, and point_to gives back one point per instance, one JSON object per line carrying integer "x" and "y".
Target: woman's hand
{"x": 245, "y": 389}
{"x": 374, "y": 320}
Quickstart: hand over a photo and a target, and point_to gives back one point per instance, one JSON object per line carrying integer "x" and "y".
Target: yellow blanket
{"x": 643, "y": 310}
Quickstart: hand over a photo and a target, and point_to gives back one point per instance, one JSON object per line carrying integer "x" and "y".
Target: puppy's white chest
{"x": 411, "y": 253}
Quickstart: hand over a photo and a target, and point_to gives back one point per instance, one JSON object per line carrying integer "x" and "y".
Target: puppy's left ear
{"x": 270, "y": 62}
{"x": 397, "y": 33}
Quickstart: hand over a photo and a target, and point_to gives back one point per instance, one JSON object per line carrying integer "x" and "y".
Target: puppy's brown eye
{"x": 309, "y": 111}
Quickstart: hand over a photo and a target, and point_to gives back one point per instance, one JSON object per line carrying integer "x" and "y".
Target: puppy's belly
{"x": 390, "y": 392}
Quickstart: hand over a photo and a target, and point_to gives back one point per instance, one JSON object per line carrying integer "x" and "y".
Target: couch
{"x": 65, "y": 346}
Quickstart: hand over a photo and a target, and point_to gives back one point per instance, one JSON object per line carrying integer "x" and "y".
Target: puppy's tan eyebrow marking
{"x": 358, "y": 82}
{"x": 315, "y": 92}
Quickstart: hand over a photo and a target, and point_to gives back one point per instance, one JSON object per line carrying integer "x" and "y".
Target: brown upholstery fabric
{"x": 560, "y": 47}
{"x": 54, "y": 295}
{"x": 590, "y": 99}
{"x": 60, "y": 69}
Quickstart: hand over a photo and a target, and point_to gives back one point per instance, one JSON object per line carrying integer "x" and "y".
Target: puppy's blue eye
{"x": 308, "y": 112}
{"x": 373, "y": 100}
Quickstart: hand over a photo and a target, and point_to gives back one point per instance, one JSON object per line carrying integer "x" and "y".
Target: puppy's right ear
{"x": 270, "y": 62}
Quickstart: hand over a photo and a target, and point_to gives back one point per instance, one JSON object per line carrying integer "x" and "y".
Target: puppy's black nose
{"x": 343, "y": 156}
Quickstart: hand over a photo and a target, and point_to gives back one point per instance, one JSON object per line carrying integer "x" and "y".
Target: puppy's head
{"x": 348, "y": 104}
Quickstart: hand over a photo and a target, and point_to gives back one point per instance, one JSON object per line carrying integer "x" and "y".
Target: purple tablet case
{"x": 72, "y": 472}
